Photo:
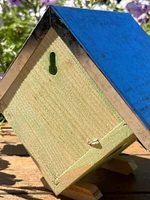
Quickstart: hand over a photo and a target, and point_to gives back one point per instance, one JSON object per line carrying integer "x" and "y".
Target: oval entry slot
{"x": 52, "y": 66}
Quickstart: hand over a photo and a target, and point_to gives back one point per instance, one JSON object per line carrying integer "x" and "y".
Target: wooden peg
{"x": 79, "y": 191}
{"x": 120, "y": 164}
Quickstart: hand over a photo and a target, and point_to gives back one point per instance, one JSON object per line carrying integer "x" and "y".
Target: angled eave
{"x": 23, "y": 56}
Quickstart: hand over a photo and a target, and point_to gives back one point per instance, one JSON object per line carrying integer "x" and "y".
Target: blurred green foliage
{"x": 17, "y": 23}
{"x": 2, "y": 119}
{"x": 13, "y": 34}
{"x": 146, "y": 27}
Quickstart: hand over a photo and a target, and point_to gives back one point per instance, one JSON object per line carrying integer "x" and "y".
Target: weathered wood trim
{"x": 27, "y": 50}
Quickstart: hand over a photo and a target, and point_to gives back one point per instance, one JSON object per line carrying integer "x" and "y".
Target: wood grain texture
{"x": 21, "y": 178}
{"x": 114, "y": 49}
{"x": 30, "y": 197}
{"x": 95, "y": 156}
{"x": 136, "y": 149}
{"x": 120, "y": 165}
{"x": 18, "y": 65}
{"x": 24, "y": 54}
{"x": 112, "y": 182}
{"x": 55, "y": 116}
{"x": 79, "y": 191}
{"x": 99, "y": 67}
{"x": 109, "y": 91}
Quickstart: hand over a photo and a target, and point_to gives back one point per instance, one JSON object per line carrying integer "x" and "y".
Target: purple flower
{"x": 142, "y": 18}
{"x": 1, "y": 76}
{"x": 139, "y": 10}
{"x": 48, "y": 2}
{"x": 16, "y": 3}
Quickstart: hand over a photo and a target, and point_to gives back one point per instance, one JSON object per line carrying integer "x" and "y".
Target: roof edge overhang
{"x": 25, "y": 52}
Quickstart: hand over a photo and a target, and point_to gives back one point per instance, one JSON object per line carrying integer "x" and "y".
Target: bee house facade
{"x": 69, "y": 95}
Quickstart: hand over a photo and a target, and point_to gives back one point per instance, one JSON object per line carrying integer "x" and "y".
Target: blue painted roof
{"x": 120, "y": 49}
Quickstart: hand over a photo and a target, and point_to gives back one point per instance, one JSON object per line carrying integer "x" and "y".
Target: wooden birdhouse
{"x": 78, "y": 90}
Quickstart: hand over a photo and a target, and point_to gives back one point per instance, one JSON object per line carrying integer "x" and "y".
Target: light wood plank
{"x": 29, "y": 197}
{"x": 112, "y": 182}
{"x": 79, "y": 191}
{"x": 136, "y": 149}
{"x": 86, "y": 162}
{"x": 24, "y": 169}
{"x": 120, "y": 105}
{"x": 56, "y": 116}
{"x": 120, "y": 164}
{"x": 10, "y": 139}
{"x": 105, "y": 197}
{"x": 24, "y": 54}
{"x": 19, "y": 196}
{"x": 18, "y": 65}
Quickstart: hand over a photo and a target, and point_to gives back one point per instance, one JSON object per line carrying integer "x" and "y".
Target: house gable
{"x": 120, "y": 49}
{"x": 57, "y": 117}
